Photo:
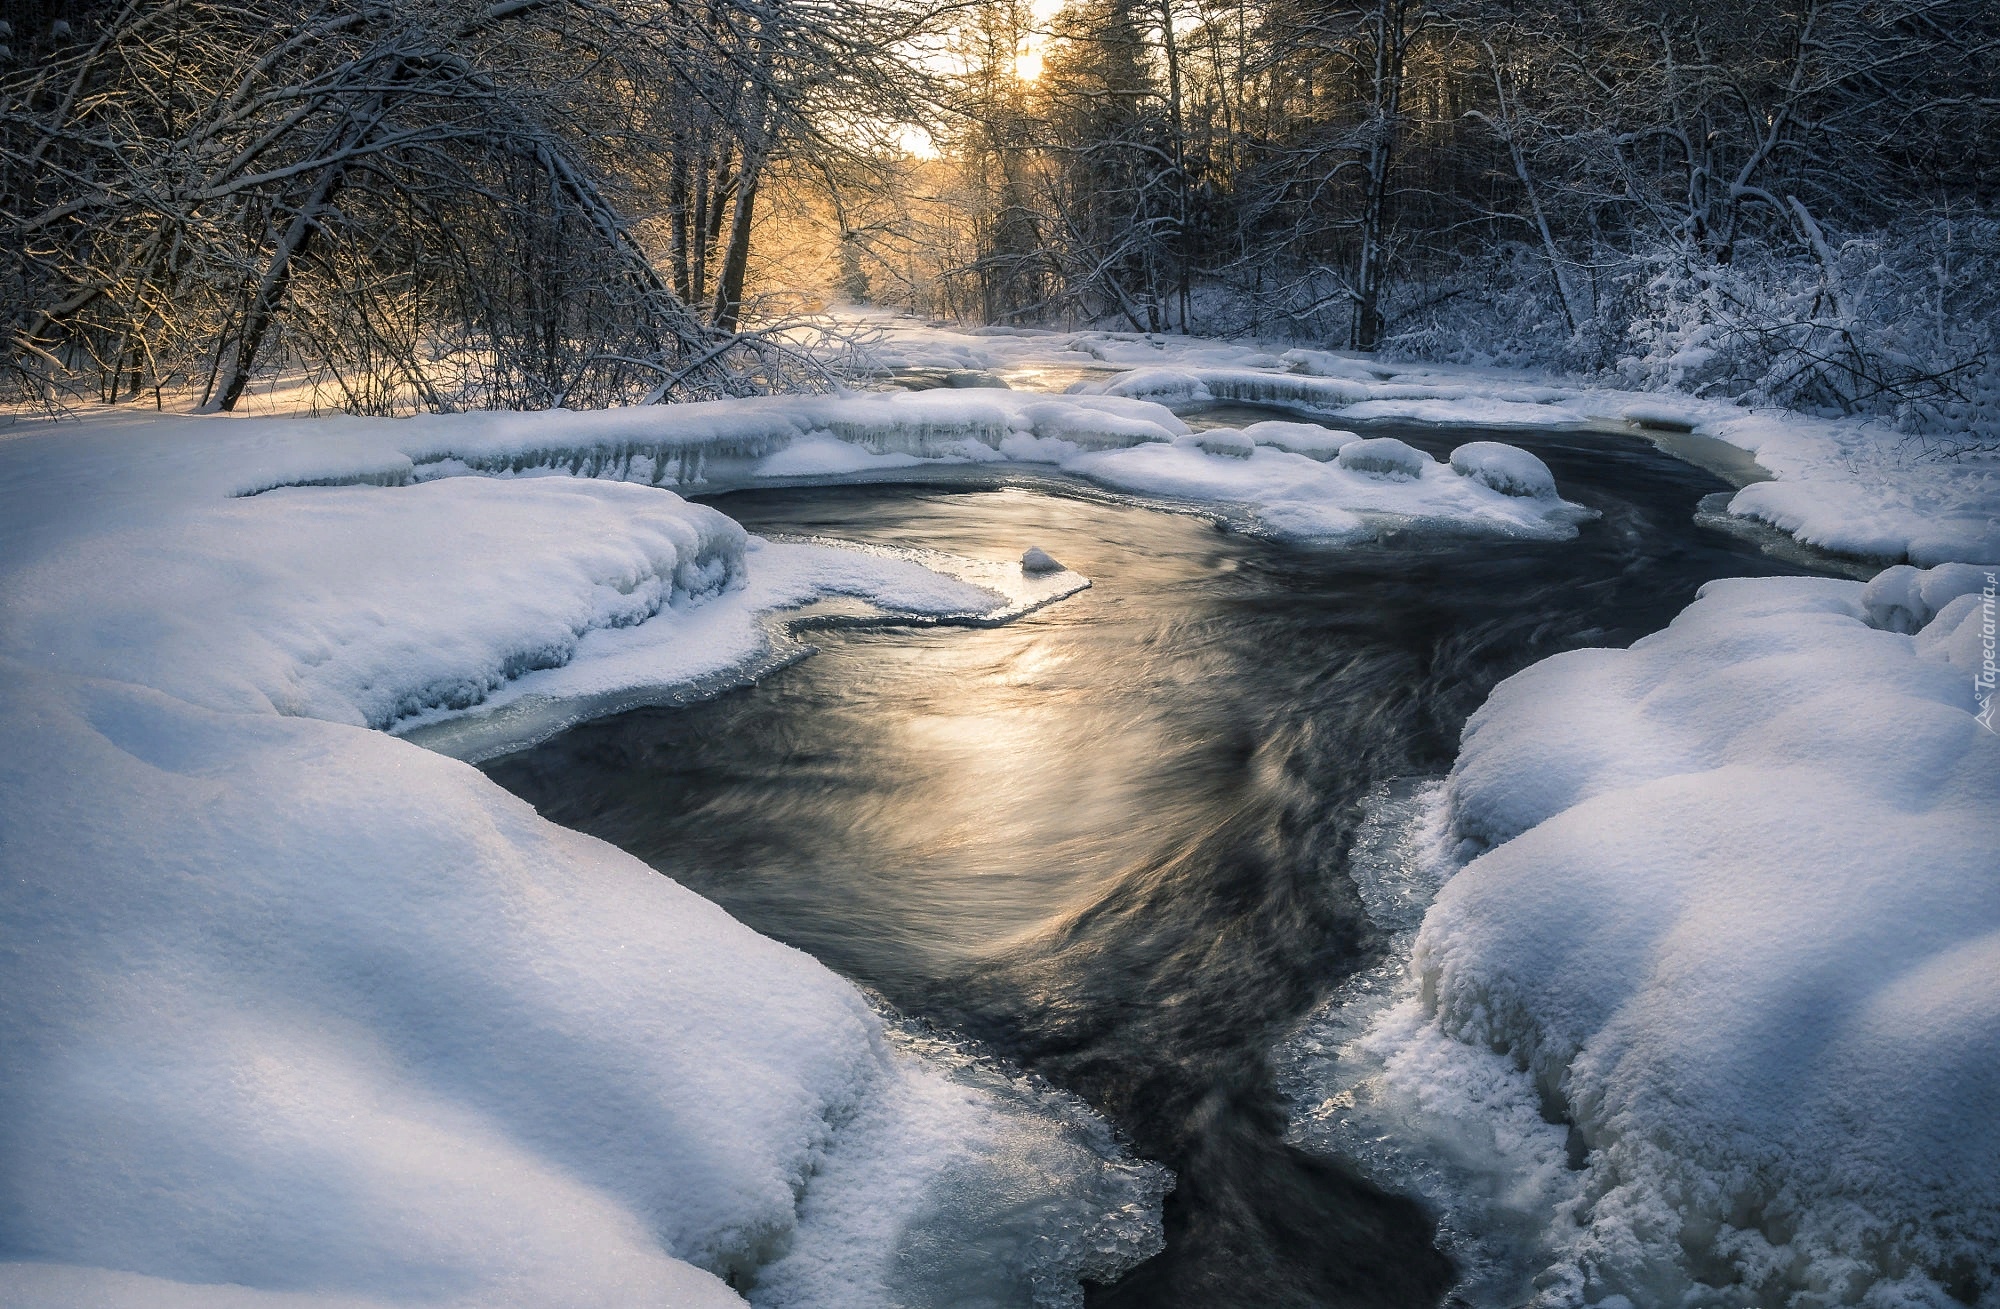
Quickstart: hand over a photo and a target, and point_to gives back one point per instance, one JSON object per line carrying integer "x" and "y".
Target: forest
{"x": 454, "y": 204}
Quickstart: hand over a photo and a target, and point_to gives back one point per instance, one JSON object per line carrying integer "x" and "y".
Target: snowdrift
{"x": 1732, "y": 909}
{"x": 301, "y": 1014}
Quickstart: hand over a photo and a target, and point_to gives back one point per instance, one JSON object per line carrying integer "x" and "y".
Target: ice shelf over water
{"x": 1130, "y": 446}
{"x": 1850, "y": 485}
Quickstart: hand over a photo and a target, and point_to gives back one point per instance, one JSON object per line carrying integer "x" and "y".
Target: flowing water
{"x": 1107, "y": 841}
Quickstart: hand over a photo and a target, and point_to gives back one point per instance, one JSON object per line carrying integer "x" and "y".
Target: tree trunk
{"x": 269, "y": 297}
{"x": 736, "y": 256}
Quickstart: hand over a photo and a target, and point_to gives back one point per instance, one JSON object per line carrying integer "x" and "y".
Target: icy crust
{"x": 734, "y": 640}
{"x": 1374, "y": 1082}
{"x": 984, "y": 1168}
{"x": 1736, "y": 920}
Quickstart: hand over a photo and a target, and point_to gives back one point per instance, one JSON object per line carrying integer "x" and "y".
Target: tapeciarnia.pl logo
{"x": 1982, "y": 682}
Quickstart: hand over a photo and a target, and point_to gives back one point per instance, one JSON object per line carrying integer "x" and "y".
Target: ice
{"x": 1308, "y": 439}
{"x": 1225, "y": 441}
{"x": 1730, "y": 915}
{"x": 1385, "y": 456}
{"x": 1038, "y": 560}
{"x": 1507, "y": 469}
{"x": 1294, "y": 497}
{"x": 301, "y": 1014}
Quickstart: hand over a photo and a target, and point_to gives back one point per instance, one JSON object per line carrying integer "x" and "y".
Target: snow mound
{"x": 366, "y": 605}
{"x": 372, "y": 606}
{"x": 1225, "y": 441}
{"x": 312, "y": 1010}
{"x": 1038, "y": 560}
{"x": 1308, "y": 439}
{"x": 1173, "y": 387}
{"x": 300, "y": 1014}
{"x": 1324, "y": 363}
{"x": 1385, "y": 456}
{"x": 1736, "y": 919}
{"x": 1905, "y": 599}
{"x": 1508, "y": 469}
{"x": 1293, "y": 497}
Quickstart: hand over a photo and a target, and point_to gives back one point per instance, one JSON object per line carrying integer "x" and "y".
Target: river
{"x": 1107, "y": 841}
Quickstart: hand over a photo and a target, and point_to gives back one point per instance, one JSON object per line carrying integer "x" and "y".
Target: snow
{"x": 1226, "y": 441}
{"x": 1728, "y": 908}
{"x": 1126, "y": 445}
{"x": 1295, "y": 497}
{"x": 1507, "y": 469}
{"x": 1308, "y": 439}
{"x": 1848, "y": 485}
{"x": 1385, "y": 456}
{"x": 299, "y": 1013}
{"x": 1038, "y": 560}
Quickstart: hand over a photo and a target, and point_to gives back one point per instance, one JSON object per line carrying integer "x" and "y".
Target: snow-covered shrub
{"x": 1901, "y": 323}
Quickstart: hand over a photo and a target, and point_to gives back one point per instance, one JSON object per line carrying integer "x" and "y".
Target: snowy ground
{"x": 1705, "y": 1011}
{"x": 302, "y": 1014}
{"x": 299, "y": 1013}
{"x": 1845, "y": 485}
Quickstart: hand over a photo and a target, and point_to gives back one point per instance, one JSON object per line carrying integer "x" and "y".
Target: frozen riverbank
{"x": 1709, "y": 1015}
{"x": 300, "y": 1013}
{"x": 1849, "y": 485}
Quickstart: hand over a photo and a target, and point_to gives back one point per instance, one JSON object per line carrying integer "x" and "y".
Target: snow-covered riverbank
{"x": 1853, "y": 486}
{"x": 1709, "y": 1017}
{"x": 301, "y": 1013}
{"x": 304, "y": 1011}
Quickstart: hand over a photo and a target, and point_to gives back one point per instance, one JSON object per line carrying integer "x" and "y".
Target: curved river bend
{"x": 1108, "y": 841}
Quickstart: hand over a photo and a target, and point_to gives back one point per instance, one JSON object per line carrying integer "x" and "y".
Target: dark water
{"x": 1107, "y": 840}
